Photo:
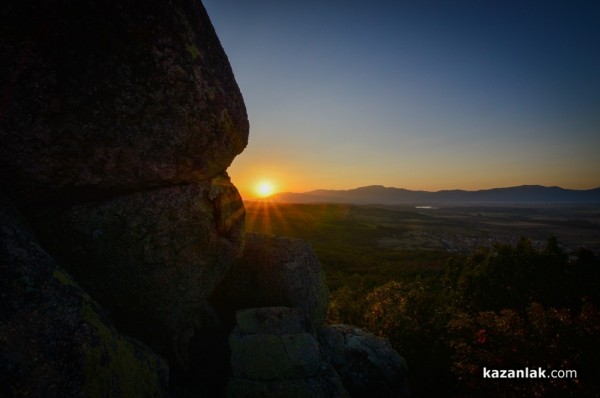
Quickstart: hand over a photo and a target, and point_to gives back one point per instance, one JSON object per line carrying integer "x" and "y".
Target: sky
{"x": 424, "y": 95}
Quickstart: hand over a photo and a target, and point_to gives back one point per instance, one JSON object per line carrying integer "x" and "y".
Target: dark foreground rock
{"x": 55, "y": 341}
{"x": 100, "y": 98}
{"x": 152, "y": 258}
{"x": 275, "y": 353}
{"x": 274, "y": 271}
{"x": 367, "y": 364}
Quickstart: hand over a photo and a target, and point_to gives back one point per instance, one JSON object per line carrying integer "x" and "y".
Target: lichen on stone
{"x": 119, "y": 365}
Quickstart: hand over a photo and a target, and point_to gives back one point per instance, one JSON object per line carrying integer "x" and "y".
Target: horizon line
{"x": 439, "y": 190}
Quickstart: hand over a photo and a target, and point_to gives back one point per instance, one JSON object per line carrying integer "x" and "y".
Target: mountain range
{"x": 377, "y": 194}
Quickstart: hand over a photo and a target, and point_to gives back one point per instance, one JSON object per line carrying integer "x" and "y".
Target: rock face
{"x": 275, "y": 353}
{"x": 105, "y": 97}
{"x": 152, "y": 258}
{"x": 367, "y": 364}
{"x": 274, "y": 271}
{"x": 55, "y": 340}
{"x": 118, "y": 120}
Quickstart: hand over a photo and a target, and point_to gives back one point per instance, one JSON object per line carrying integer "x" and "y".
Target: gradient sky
{"x": 415, "y": 94}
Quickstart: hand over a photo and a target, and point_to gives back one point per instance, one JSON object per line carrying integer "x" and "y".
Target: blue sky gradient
{"x": 415, "y": 94}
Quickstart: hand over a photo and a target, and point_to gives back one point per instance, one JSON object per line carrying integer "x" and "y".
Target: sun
{"x": 264, "y": 189}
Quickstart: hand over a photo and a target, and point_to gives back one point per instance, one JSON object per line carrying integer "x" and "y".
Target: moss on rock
{"x": 54, "y": 339}
{"x": 119, "y": 364}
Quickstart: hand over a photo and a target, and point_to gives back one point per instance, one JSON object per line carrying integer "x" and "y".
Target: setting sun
{"x": 264, "y": 189}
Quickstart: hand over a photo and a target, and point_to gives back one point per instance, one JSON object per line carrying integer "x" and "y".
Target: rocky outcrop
{"x": 152, "y": 258}
{"x": 367, "y": 364}
{"x": 118, "y": 120}
{"x": 55, "y": 341}
{"x": 274, "y": 271}
{"x": 275, "y": 353}
{"x": 100, "y": 98}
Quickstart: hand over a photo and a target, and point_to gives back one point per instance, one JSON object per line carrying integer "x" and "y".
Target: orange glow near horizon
{"x": 260, "y": 182}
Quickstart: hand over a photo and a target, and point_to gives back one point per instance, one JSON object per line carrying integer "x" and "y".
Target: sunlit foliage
{"x": 507, "y": 307}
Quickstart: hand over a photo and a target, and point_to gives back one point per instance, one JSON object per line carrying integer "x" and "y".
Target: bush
{"x": 506, "y": 307}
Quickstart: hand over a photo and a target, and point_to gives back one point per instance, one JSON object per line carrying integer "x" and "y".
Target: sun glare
{"x": 264, "y": 189}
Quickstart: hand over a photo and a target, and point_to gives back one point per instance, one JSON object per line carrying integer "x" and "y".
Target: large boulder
{"x": 275, "y": 353}
{"x": 100, "y": 98}
{"x": 367, "y": 364}
{"x": 118, "y": 120}
{"x": 152, "y": 258}
{"x": 274, "y": 271}
{"x": 55, "y": 341}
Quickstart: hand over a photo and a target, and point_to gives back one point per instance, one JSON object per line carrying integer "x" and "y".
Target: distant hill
{"x": 377, "y": 194}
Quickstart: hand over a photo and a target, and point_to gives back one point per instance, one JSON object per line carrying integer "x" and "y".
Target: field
{"x": 379, "y": 243}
